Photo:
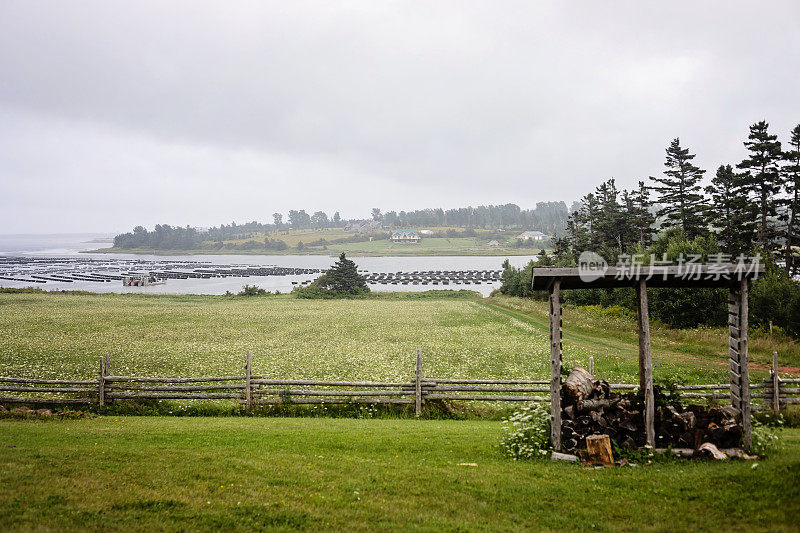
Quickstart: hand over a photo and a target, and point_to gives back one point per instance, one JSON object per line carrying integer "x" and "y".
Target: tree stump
{"x": 598, "y": 447}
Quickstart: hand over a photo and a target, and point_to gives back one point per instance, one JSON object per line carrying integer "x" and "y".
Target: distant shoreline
{"x": 395, "y": 252}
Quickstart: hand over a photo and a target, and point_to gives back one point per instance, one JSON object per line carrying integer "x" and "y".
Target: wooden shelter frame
{"x": 734, "y": 276}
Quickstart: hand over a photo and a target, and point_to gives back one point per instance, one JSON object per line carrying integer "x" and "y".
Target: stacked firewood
{"x": 697, "y": 425}
{"x": 588, "y": 407}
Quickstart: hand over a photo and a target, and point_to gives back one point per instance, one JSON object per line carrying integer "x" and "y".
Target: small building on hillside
{"x": 404, "y": 235}
{"x": 363, "y": 226}
{"x": 532, "y": 236}
{"x": 493, "y": 243}
{"x": 426, "y": 232}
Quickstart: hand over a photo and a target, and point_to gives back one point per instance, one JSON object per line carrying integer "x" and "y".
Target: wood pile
{"x": 588, "y": 407}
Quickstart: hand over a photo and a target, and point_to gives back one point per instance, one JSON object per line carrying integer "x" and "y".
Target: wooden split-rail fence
{"x": 253, "y": 389}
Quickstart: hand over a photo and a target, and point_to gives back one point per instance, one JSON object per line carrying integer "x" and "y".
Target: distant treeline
{"x": 547, "y": 217}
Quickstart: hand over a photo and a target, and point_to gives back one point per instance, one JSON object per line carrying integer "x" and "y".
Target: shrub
{"x": 517, "y": 282}
{"x": 765, "y": 438}
{"x": 527, "y": 432}
{"x": 252, "y": 290}
{"x": 775, "y": 296}
{"x": 275, "y": 244}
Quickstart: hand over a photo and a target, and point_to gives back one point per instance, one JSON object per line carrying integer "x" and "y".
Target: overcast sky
{"x": 115, "y": 114}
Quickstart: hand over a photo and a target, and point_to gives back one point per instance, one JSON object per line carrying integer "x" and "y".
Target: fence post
{"x": 776, "y": 385}
{"x": 248, "y": 391}
{"x": 418, "y": 384}
{"x": 101, "y": 383}
{"x": 591, "y": 365}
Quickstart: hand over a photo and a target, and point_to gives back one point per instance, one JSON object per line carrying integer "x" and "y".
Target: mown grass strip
{"x": 317, "y": 474}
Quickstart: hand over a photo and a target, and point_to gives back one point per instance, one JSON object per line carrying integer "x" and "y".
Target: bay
{"x": 70, "y": 246}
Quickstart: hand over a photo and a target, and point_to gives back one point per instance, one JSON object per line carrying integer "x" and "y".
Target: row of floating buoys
{"x": 42, "y": 270}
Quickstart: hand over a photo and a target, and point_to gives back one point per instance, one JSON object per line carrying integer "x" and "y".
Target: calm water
{"x": 70, "y": 246}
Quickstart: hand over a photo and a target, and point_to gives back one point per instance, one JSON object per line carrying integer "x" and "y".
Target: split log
{"x": 594, "y": 405}
{"x": 708, "y": 450}
{"x": 578, "y": 385}
{"x": 598, "y": 447}
{"x": 556, "y": 456}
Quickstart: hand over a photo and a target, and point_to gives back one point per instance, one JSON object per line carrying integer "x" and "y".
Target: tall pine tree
{"x": 610, "y": 224}
{"x": 728, "y": 211}
{"x": 637, "y": 205}
{"x": 679, "y": 192}
{"x": 762, "y": 180}
{"x": 792, "y": 184}
{"x": 604, "y": 225}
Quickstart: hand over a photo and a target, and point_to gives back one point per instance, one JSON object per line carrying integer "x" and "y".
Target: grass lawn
{"x": 55, "y": 335}
{"x": 253, "y": 474}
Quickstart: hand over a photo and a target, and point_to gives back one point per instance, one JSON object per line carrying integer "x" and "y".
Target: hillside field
{"x": 477, "y": 245}
{"x": 61, "y": 335}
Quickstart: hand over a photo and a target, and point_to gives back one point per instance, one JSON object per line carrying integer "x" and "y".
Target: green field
{"x": 254, "y": 474}
{"x": 55, "y": 335}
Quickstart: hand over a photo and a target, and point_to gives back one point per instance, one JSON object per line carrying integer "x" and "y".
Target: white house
{"x": 532, "y": 235}
{"x": 404, "y": 235}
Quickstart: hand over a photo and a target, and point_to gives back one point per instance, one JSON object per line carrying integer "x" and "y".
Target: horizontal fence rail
{"x": 251, "y": 389}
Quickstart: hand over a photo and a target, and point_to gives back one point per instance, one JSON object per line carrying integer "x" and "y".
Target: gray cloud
{"x": 232, "y": 112}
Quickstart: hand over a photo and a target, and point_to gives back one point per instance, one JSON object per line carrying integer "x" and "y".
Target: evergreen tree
{"x": 639, "y": 218}
{"x": 728, "y": 211}
{"x": 610, "y": 224}
{"x": 277, "y": 218}
{"x": 343, "y": 278}
{"x": 680, "y": 193}
{"x": 581, "y": 224}
{"x": 762, "y": 179}
{"x": 604, "y": 225}
{"x": 510, "y": 280}
{"x": 563, "y": 253}
{"x": 337, "y": 219}
{"x": 792, "y": 185}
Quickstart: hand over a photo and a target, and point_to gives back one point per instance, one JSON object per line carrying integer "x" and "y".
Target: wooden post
{"x": 555, "y": 364}
{"x": 743, "y": 356}
{"x": 101, "y": 383}
{"x": 105, "y": 368}
{"x": 776, "y": 385}
{"x": 418, "y": 386}
{"x": 646, "y": 363}
{"x": 776, "y": 382}
{"x": 248, "y": 373}
{"x": 591, "y": 365}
